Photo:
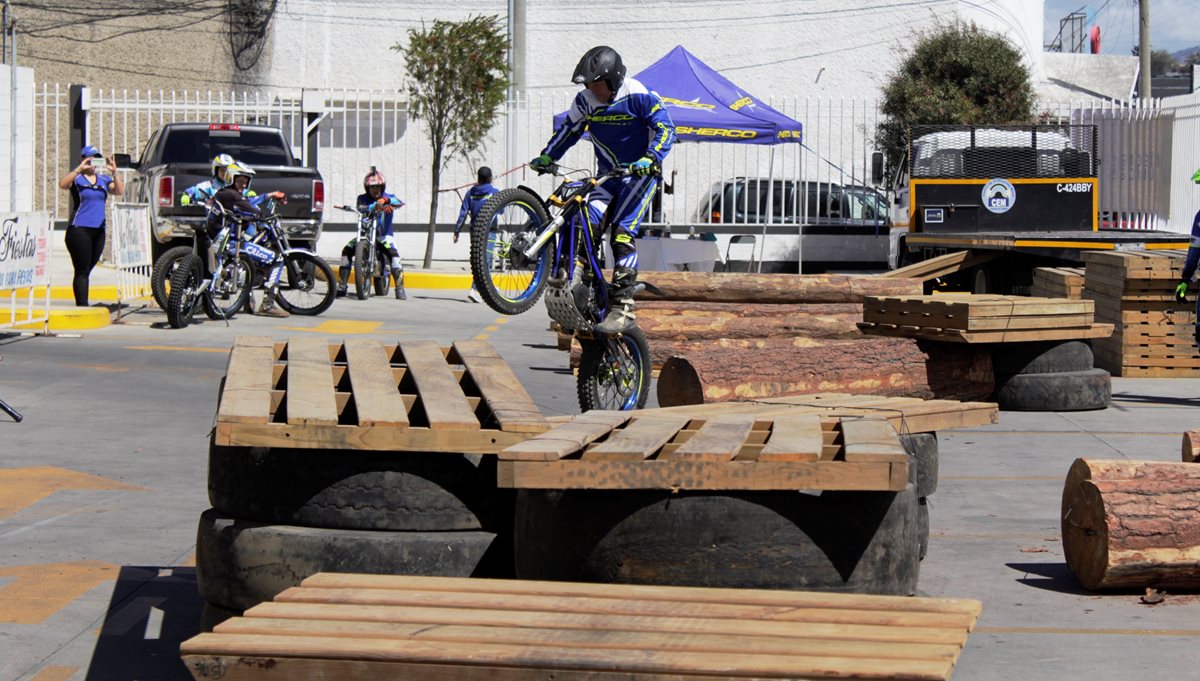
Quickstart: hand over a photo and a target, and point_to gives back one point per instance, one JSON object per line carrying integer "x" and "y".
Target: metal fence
{"x": 1139, "y": 174}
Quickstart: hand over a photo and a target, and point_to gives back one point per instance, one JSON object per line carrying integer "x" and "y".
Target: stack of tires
{"x": 1049, "y": 376}
{"x": 281, "y": 515}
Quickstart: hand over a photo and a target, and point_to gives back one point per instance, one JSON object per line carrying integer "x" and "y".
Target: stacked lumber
{"x": 366, "y": 627}
{"x": 971, "y": 318}
{"x": 1132, "y": 524}
{"x": 1057, "y": 282}
{"x": 1154, "y": 335}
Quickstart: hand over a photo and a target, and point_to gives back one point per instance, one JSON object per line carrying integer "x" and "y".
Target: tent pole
{"x": 770, "y": 205}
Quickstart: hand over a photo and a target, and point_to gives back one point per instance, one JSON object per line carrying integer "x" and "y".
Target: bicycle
{"x": 513, "y": 261}
{"x": 372, "y": 266}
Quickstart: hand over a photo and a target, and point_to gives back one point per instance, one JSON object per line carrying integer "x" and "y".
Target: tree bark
{"x": 1132, "y": 524}
{"x": 734, "y": 287}
{"x": 435, "y": 173}
{"x": 727, "y": 370}
{"x": 675, "y": 320}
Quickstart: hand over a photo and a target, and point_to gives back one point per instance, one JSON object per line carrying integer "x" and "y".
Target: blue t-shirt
{"x": 89, "y": 200}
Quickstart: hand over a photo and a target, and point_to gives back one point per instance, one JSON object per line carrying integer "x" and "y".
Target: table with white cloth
{"x": 659, "y": 255}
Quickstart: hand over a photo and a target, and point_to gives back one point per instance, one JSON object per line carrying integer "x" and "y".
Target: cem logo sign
{"x": 999, "y": 195}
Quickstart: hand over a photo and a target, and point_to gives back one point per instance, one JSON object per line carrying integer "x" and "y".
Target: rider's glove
{"x": 642, "y": 166}
{"x": 540, "y": 162}
{"x": 185, "y": 200}
{"x": 388, "y": 208}
{"x": 1181, "y": 292}
{"x": 279, "y": 196}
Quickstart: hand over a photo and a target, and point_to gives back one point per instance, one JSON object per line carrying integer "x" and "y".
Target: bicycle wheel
{"x": 362, "y": 275}
{"x": 508, "y": 281}
{"x": 614, "y": 372}
{"x": 185, "y": 282}
{"x": 231, "y": 288}
{"x": 160, "y": 275}
{"x": 307, "y": 286}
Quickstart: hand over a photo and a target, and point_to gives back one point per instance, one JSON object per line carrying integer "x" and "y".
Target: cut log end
{"x": 683, "y": 385}
{"x": 1084, "y": 528}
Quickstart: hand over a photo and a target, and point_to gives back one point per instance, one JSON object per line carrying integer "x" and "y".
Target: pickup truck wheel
{"x": 160, "y": 275}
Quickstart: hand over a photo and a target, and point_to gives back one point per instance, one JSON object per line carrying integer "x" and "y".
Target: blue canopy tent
{"x": 707, "y": 107}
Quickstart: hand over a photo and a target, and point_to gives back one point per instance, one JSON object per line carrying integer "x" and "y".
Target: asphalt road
{"x": 102, "y": 484}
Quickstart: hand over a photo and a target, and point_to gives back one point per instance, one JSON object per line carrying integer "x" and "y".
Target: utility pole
{"x": 1144, "y": 49}
{"x": 516, "y": 74}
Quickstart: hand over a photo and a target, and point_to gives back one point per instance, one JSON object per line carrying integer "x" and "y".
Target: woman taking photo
{"x": 85, "y": 233}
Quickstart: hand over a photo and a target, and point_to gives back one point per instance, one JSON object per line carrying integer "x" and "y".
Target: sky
{"x": 1174, "y": 24}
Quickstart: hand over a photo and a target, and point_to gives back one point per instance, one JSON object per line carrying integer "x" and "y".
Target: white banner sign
{"x": 131, "y": 235}
{"x": 24, "y": 250}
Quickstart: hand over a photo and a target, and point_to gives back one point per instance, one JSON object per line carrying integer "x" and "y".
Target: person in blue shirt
{"x": 85, "y": 231}
{"x": 472, "y": 202}
{"x": 628, "y": 125}
{"x": 1190, "y": 264}
{"x": 375, "y": 194}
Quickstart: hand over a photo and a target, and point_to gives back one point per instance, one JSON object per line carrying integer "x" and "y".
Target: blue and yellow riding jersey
{"x": 634, "y": 125}
{"x": 364, "y": 204}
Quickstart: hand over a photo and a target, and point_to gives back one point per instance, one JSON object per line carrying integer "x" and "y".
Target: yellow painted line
{"x": 173, "y": 348}
{"x": 96, "y": 294}
{"x": 1087, "y": 632}
{"x": 62, "y": 319}
{"x": 414, "y": 278}
{"x": 1014, "y": 180}
{"x": 339, "y": 326}
{"x": 501, "y": 320}
{"x": 55, "y": 673}
{"x": 39, "y": 591}
{"x": 490, "y": 329}
{"x": 100, "y": 367}
{"x": 482, "y": 336}
{"x": 23, "y": 487}
{"x": 1096, "y": 245}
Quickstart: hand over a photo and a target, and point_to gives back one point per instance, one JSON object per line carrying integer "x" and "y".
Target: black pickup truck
{"x": 180, "y": 155}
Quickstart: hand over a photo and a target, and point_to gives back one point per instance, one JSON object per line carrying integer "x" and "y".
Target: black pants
{"x": 85, "y": 244}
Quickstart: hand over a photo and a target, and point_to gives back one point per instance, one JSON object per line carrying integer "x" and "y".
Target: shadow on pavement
{"x": 151, "y": 612}
{"x": 1055, "y": 577}
{"x": 1157, "y": 399}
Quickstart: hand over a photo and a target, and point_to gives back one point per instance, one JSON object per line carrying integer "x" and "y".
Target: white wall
{"x": 25, "y": 139}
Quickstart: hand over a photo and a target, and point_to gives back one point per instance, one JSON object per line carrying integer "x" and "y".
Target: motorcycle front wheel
{"x": 231, "y": 288}
{"x": 508, "y": 281}
{"x": 614, "y": 372}
{"x": 362, "y": 271}
{"x": 307, "y": 286}
{"x": 185, "y": 285}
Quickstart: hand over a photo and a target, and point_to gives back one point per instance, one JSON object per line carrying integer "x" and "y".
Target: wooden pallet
{"x": 968, "y": 318}
{"x": 361, "y": 394}
{"x": 1057, "y": 282}
{"x": 651, "y": 449}
{"x": 1165, "y": 264}
{"x": 371, "y": 627}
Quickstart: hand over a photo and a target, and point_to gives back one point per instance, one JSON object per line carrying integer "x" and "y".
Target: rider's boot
{"x": 620, "y": 317}
{"x": 398, "y": 279}
{"x": 343, "y": 278}
{"x": 268, "y": 308}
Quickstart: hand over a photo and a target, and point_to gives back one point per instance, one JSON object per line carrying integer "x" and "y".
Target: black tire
{"x": 923, "y": 448}
{"x": 307, "y": 286}
{"x": 1046, "y": 357}
{"x": 212, "y": 614}
{"x": 862, "y": 542}
{"x": 361, "y": 273}
{"x": 358, "y": 490}
{"x": 493, "y": 237}
{"x": 1066, "y": 391}
{"x": 216, "y": 305}
{"x": 383, "y": 270}
{"x": 181, "y": 303}
{"x": 240, "y": 563}
{"x": 600, "y": 387}
{"x": 923, "y": 526}
{"x": 160, "y": 274}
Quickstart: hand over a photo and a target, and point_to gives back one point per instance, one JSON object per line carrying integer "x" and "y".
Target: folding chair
{"x": 740, "y": 249}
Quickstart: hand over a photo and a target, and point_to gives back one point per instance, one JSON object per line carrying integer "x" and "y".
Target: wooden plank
{"x": 507, "y": 399}
{"x": 442, "y": 398}
{"x": 718, "y": 439}
{"x": 698, "y": 475}
{"x": 940, "y": 266}
{"x": 1010, "y": 336}
{"x": 568, "y": 438}
{"x": 639, "y": 440}
{"x": 249, "y": 378}
{"x": 310, "y": 398}
{"x": 376, "y": 397}
{"x": 905, "y": 318}
{"x": 871, "y": 439}
{"x": 794, "y": 438}
{"x": 371, "y": 438}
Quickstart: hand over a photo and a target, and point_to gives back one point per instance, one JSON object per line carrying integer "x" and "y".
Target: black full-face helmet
{"x": 600, "y": 63}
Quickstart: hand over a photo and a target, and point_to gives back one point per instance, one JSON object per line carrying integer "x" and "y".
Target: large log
{"x": 726, "y": 370}
{"x": 733, "y": 287}
{"x": 684, "y": 320}
{"x": 1132, "y": 524}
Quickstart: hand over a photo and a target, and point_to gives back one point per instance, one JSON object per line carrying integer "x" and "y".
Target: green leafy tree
{"x": 1162, "y": 63}
{"x": 957, "y": 75}
{"x": 458, "y": 75}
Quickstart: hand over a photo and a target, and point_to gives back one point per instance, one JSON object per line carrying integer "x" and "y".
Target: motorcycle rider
{"x": 472, "y": 202}
{"x": 375, "y": 194}
{"x": 1190, "y": 264}
{"x": 234, "y": 200}
{"x": 628, "y": 124}
{"x": 202, "y": 192}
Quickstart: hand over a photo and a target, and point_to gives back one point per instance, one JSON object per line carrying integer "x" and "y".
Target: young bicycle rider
{"x": 1190, "y": 265}
{"x": 233, "y": 198}
{"x": 375, "y": 193}
{"x": 628, "y": 124}
{"x": 472, "y": 202}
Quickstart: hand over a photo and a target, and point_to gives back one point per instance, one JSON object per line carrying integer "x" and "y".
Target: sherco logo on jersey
{"x": 744, "y": 101}
{"x": 609, "y": 118}
{"x": 715, "y": 132}
{"x": 1074, "y": 187}
{"x": 688, "y": 105}
{"x": 999, "y": 195}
